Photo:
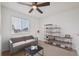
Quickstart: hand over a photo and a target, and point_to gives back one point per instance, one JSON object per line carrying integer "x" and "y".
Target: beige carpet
{"x": 55, "y": 51}
{"x": 48, "y": 51}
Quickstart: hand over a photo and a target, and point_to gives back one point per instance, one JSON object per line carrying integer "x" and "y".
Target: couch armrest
{"x": 10, "y": 46}
{"x": 10, "y": 42}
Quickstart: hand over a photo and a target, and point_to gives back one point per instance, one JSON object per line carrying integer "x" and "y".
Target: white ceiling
{"x": 54, "y": 8}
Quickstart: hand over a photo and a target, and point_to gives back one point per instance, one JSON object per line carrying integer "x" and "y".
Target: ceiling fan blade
{"x": 34, "y": 3}
{"x": 31, "y": 10}
{"x": 24, "y": 4}
{"x": 43, "y": 4}
{"x": 39, "y": 10}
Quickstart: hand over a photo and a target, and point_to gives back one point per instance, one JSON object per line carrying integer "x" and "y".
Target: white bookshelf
{"x": 53, "y": 37}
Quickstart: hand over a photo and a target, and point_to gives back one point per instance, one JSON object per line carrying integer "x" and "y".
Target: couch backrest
{"x": 18, "y": 39}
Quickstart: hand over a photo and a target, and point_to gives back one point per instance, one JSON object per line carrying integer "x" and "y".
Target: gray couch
{"x": 19, "y": 43}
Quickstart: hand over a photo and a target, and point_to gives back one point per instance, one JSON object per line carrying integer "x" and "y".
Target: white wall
{"x": 0, "y": 28}
{"x": 6, "y": 26}
{"x": 68, "y": 21}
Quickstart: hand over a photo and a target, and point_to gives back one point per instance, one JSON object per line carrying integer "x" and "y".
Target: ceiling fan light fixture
{"x": 34, "y": 7}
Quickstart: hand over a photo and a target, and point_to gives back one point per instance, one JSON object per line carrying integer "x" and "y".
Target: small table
{"x": 33, "y": 52}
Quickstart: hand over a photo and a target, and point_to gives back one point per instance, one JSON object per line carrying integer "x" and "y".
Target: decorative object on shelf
{"x": 67, "y": 36}
{"x": 63, "y": 46}
{"x": 54, "y": 43}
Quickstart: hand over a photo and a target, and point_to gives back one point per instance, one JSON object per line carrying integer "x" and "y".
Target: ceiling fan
{"x": 35, "y": 6}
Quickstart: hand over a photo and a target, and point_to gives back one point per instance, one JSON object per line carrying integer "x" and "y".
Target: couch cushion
{"x": 14, "y": 40}
{"x": 24, "y": 38}
{"x": 29, "y": 41}
{"x": 28, "y": 37}
{"x": 18, "y": 43}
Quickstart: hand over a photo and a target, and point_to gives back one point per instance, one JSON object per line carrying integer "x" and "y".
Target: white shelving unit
{"x": 53, "y": 37}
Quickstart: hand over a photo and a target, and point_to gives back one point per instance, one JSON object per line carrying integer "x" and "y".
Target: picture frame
{"x": 19, "y": 24}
